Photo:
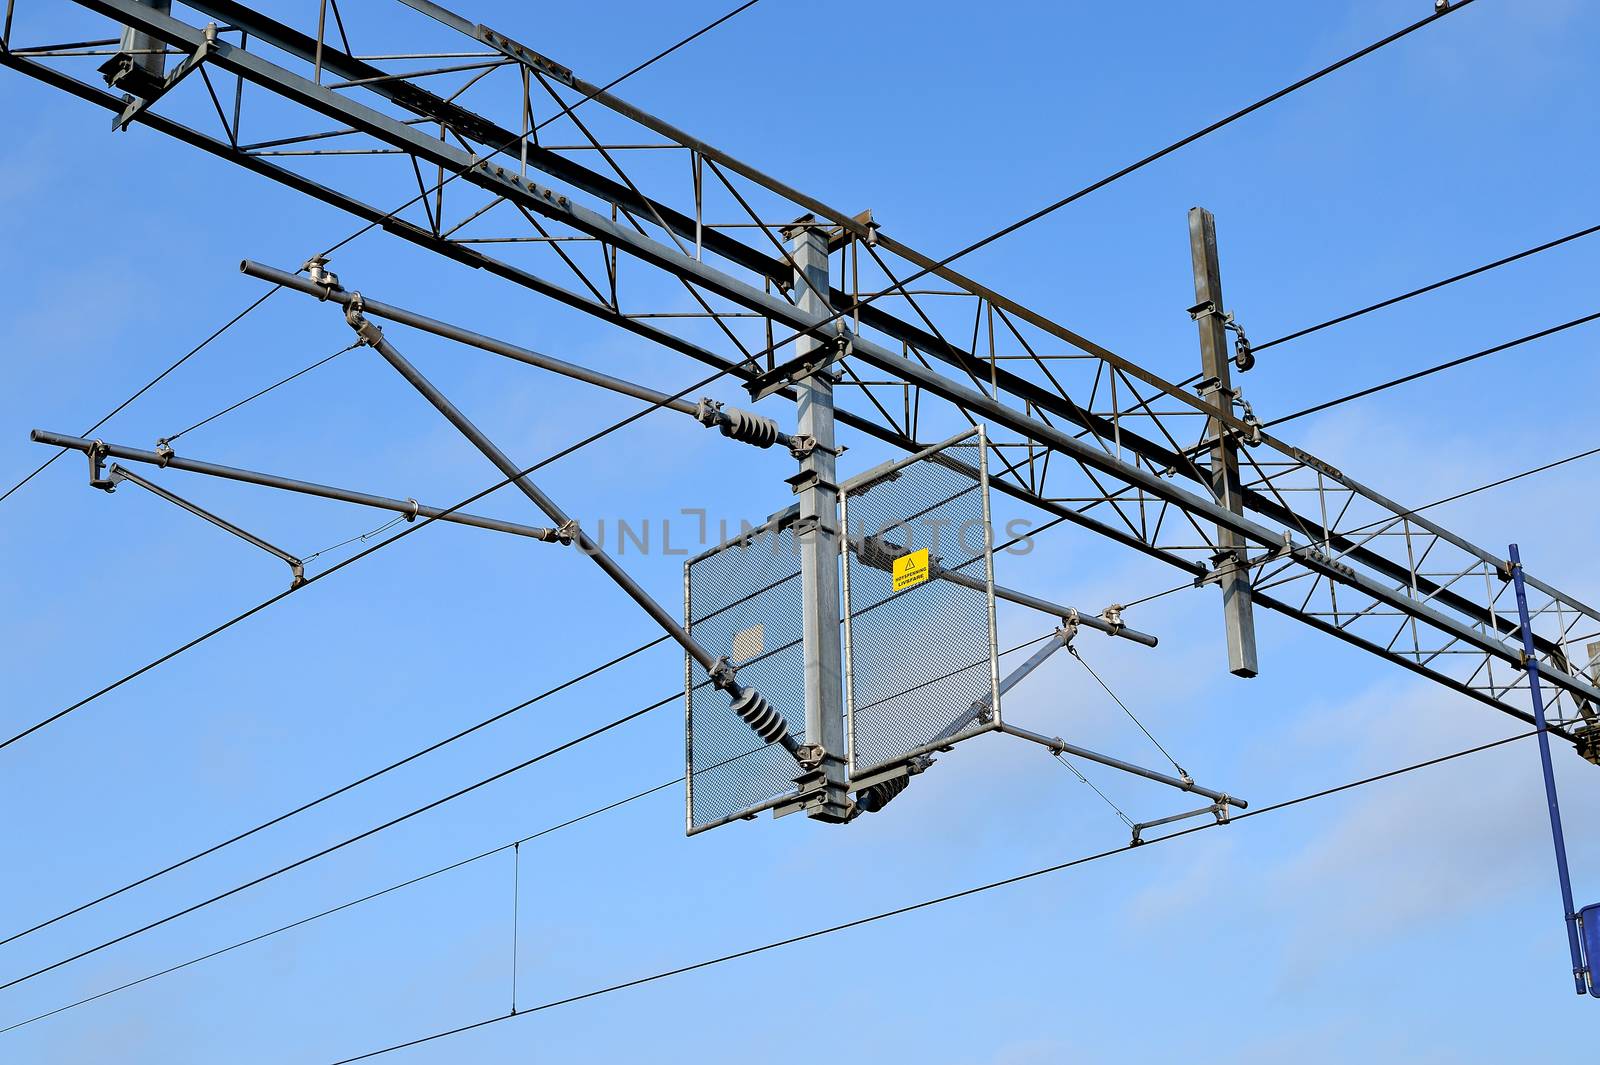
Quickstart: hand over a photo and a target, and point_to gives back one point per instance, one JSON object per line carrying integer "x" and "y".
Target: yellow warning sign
{"x": 910, "y": 570}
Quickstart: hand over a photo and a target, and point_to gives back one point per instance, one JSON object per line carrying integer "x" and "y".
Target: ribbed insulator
{"x": 760, "y": 715}
{"x": 877, "y": 797}
{"x": 749, "y": 428}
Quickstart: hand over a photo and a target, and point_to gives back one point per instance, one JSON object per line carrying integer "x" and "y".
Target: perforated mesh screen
{"x": 743, "y": 601}
{"x": 920, "y": 647}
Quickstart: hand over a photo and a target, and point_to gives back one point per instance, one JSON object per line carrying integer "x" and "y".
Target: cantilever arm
{"x": 764, "y": 719}
{"x": 409, "y": 507}
{"x": 296, "y": 567}
{"x": 879, "y": 553}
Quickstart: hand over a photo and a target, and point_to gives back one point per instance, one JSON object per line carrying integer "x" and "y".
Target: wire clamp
{"x": 416, "y": 508}
{"x": 1112, "y": 615}
{"x": 722, "y": 673}
{"x": 1219, "y": 810}
{"x": 810, "y": 755}
{"x": 709, "y": 413}
{"x": 164, "y": 452}
{"x": 97, "y": 461}
{"x": 316, "y": 269}
{"x": 1252, "y": 437}
{"x": 367, "y": 332}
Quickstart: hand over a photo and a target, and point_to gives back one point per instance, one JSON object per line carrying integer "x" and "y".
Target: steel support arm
{"x": 874, "y": 551}
{"x": 297, "y": 569}
{"x": 1060, "y": 746}
{"x": 736, "y": 424}
{"x": 408, "y": 507}
{"x": 767, "y": 722}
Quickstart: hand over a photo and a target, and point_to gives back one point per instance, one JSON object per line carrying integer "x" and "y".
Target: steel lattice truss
{"x": 617, "y": 213}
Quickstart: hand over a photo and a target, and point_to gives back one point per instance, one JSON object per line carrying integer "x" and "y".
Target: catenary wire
{"x": 1191, "y": 138}
{"x": 257, "y": 395}
{"x": 147, "y": 386}
{"x": 336, "y": 792}
{"x": 340, "y": 907}
{"x": 1435, "y": 286}
{"x": 417, "y": 811}
{"x": 1161, "y": 153}
{"x": 1072, "y": 647}
{"x": 936, "y": 901}
{"x": 1075, "y": 771}
{"x": 1429, "y": 371}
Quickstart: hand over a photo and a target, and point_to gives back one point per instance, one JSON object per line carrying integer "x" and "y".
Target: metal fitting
{"x": 316, "y": 269}
{"x": 722, "y": 674}
{"x": 97, "y": 461}
{"x": 567, "y": 532}
{"x": 709, "y": 412}
{"x": 810, "y": 755}
{"x": 164, "y": 452}
{"x": 1253, "y": 437}
{"x": 367, "y": 332}
{"x": 1069, "y": 626}
{"x": 1112, "y": 615}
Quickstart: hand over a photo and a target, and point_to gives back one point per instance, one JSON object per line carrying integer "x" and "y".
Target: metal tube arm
{"x": 297, "y": 569}
{"x": 878, "y": 553}
{"x": 765, "y": 720}
{"x": 736, "y": 424}
{"x": 409, "y": 507}
{"x": 1060, "y": 746}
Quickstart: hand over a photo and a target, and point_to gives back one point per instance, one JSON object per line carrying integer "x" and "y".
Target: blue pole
{"x": 1531, "y": 664}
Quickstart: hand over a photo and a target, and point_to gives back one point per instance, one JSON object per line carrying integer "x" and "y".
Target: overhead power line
{"x": 334, "y": 793}
{"x": 928, "y": 903}
{"x": 436, "y": 803}
{"x": 1182, "y": 142}
{"x": 257, "y": 395}
{"x": 1418, "y": 375}
{"x": 348, "y": 904}
{"x": 147, "y": 386}
{"x": 1435, "y": 286}
{"x": 297, "y": 863}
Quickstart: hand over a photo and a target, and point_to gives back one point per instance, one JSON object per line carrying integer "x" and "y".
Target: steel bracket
{"x": 120, "y": 73}
{"x": 797, "y": 369}
{"x": 97, "y": 468}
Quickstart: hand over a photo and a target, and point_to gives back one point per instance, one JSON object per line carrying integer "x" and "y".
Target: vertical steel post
{"x": 817, "y": 537}
{"x": 1216, "y": 386}
{"x": 1531, "y": 664}
{"x": 148, "y": 52}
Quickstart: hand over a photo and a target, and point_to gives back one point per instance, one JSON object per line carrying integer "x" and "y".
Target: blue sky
{"x": 1414, "y": 920}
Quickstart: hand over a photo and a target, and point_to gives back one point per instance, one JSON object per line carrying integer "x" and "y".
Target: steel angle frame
{"x": 773, "y": 526}
{"x": 858, "y": 485}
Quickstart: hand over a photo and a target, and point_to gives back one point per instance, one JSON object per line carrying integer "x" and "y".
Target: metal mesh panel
{"x": 919, "y": 588}
{"x": 742, "y": 600}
